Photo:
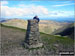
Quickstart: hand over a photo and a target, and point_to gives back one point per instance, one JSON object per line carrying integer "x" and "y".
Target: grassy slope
{"x": 63, "y": 28}
{"x": 44, "y": 25}
{"x": 12, "y": 27}
{"x": 66, "y": 31}
{"x": 51, "y": 42}
{"x": 57, "y": 42}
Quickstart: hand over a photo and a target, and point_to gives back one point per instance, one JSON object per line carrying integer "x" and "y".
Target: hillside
{"x": 12, "y": 38}
{"x": 66, "y": 31}
{"x": 45, "y": 26}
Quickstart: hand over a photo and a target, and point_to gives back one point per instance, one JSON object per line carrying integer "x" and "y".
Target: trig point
{"x": 32, "y": 35}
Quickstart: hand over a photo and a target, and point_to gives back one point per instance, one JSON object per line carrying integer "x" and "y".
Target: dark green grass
{"x": 59, "y": 39}
{"x": 50, "y": 41}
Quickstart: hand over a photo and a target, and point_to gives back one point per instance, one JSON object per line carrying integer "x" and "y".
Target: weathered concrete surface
{"x": 32, "y": 35}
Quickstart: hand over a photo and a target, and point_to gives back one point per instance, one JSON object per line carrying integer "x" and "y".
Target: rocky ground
{"x": 11, "y": 43}
{"x": 12, "y": 38}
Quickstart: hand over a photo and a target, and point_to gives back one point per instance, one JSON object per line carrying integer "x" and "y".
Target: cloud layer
{"x": 22, "y": 10}
{"x": 62, "y": 5}
{"x": 31, "y": 10}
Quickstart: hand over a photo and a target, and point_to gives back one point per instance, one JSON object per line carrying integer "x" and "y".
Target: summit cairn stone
{"x": 32, "y": 35}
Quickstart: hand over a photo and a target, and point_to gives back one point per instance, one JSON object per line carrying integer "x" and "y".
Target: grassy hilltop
{"x": 12, "y": 37}
{"x": 45, "y": 26}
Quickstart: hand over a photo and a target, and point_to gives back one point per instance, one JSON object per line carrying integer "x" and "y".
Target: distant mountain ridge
{"x": 2, "y": 21}
{"x": 45, "y": 26}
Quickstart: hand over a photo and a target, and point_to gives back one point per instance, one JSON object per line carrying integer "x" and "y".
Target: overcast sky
{"x": 44, "y": 9}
